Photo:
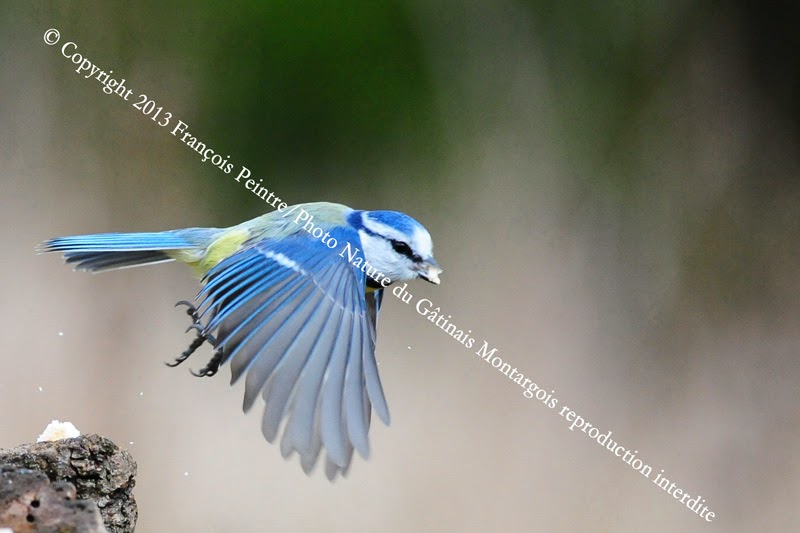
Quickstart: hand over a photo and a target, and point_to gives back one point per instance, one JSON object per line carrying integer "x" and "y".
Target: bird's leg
{"x": 201, "y": 336}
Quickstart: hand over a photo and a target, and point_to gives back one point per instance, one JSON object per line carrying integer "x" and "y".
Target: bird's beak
{"x": 430, "y": 270}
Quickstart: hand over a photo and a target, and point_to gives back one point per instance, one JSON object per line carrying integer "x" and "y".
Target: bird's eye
{"x": 402, "y": 248}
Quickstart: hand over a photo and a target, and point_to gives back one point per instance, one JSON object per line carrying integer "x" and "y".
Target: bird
{"x": 290, "y": 300}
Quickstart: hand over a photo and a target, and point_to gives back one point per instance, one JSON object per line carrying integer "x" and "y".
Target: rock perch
{"x": 43, "y": 485}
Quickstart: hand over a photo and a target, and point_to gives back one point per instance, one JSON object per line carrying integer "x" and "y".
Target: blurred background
{"x": 613, "y": 193}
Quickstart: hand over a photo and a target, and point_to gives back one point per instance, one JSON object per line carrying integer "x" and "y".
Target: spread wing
{"x": 292, "y": 316}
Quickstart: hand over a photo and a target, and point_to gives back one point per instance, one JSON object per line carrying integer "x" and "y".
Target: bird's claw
{"x": 212, "y": 367}
{"x": 191, "y": 310}
{"x": 197, "y": 326}
{"x": 202, "y": 336}
{"x": 196, "y": 343}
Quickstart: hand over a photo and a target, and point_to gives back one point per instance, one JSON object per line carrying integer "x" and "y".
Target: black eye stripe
{"x": 404, "y": 249}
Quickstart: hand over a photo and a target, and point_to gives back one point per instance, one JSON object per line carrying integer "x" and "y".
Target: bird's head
{"x": 396, "y": 245}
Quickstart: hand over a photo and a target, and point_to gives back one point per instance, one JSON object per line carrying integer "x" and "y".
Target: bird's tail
{"x": 109, "y": 251}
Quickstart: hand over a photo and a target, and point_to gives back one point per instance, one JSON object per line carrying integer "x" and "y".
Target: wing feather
{"x": 294, "y": 318}
{"x": 285, "y": 377}
{"x": 301, "y": 432}
{"x": 357, "y": 427}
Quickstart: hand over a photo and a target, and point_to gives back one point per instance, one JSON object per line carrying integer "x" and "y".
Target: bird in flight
{"x": 290, "y": 300}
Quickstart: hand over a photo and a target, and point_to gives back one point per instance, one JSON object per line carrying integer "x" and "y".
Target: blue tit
{"x": 290, "y": 299}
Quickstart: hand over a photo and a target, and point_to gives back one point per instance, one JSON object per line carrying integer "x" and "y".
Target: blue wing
{"x": 293, "y": 317}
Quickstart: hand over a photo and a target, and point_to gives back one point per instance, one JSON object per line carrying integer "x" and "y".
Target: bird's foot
{"x": 201, "y": 338}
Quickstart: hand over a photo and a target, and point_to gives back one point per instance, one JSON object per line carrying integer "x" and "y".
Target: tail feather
{"x": 116, "y": 242}
{"x": 109, "y": 251}
{"x": 101, "y": 261}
